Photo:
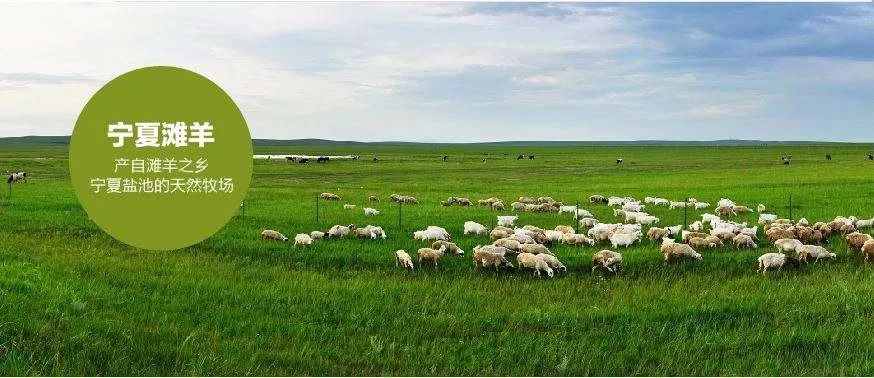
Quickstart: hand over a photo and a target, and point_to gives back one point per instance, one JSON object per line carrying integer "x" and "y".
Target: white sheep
{"x": 710, "y": 218}
{"x": 674, "y": 230}
{"x": 317, "y": 234}
{"x": 527, "y": 260}
{"x": 788, "y": 245}
{"x": 554, "y": 236}
{"x": 677, "y": 205}
{"x": 339, "y": 230}
{"x": 771, "y": 260}
{"x": 471, "y": 227}
{"x": 696, "y": 226}
{"x": 647, "y": 219}
{"x": 369, "y": 211}
{"x": 816, "y": 252}
{"x": 553, "y": 262}
{"x": 302, "y": 240}
{"x": 348, "y": 206}
{"x": 619, "y": 239}
{"x": 273, "y": 235}
{"x": 761, "y": 208}
{"x": 432, "y": 233}
{"x": 725, "y": 202}
{"x": 402, "y": 259}
{"x": 588, "y": 222}
{"x": 507, "y": 220}
{"x": 766, "y": 219}
{"x": 744, "y": 241}
{"x": 701, "y": 205}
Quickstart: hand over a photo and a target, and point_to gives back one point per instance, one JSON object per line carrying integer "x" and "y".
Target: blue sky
{"x": 465, "y": 72}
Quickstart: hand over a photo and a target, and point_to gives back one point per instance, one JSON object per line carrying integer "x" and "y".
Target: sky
{"x": 464, "y": 72}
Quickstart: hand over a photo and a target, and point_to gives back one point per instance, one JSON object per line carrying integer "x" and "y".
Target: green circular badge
{"x": 161, "y": 158}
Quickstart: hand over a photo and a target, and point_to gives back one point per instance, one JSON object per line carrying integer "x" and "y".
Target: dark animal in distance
{"x": 520, "y": 157}
{"x": 870, "y": 157}
{"x": 828, "y": 157}
{"x": 530, "y": 157}
{"x": 619, "y": 161}
{"x": 445, "y": 157}
{"x": 303, "y": 160}
{"x": 323, "y": 159}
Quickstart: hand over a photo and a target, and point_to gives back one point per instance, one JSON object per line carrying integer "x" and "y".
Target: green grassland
{"x": 73, "y": 301}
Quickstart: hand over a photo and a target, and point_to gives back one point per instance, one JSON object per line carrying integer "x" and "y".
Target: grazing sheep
{"x": 448, "y": 247}
{"x": 553, "y": 262}
{"x": 522, "y": 238}
{"x": 737, "y": 209}
{"x": 803, "y": 222}
{"x": 609, "y": 260}
{"x": 432, "y": 233}
{"x": 507, "y": 220}
{"x": 471, "y": 227}
{"x": 671, "y": 249}
{"x": 677, "y": 205}
{"x": 710, "y": 239}
{"x": 709, "y": 218}
{"x": 766, "y": 219}
{"x": 868, "y": 250}
{"x": 317, "y": 235}
{"x": 429, "y": 254}
{"x": 688, "y": 235}
{"x": 461, "y": 201}
{"x": 696, "y": 226}
{"x": 340, "y": 231}
{"x": 488, "y": 201}
{"x": 534, "y": 249}
{"x": 16, "y": 177}
{"x": 517, "y": 206}
{"x": 375, "y": 199}
{"x": 499, "y": 234}
{"x": 588, "y": 222}
{"x": 403, "y": 259}
{"x": 484, "y": 257}
{"x": 775, "y": 234}
{"x": 564, "y": 229}
{"x": 527, "y": 200}
{"x": 856, "y": 239}
{"x": 302, "y": 239}
{"x": 808, "y": 235}
{"x": 815, "y": 252}
{"x": 369, "y": 211}
{"x": 509, "y": 244}
{"x": 369, "y": 231}
{"x": 656, "y": 233}
{"x": 726, "y": 211}
{"x": 576, "y": 239}
{"x": 701, "y": 205}
{"x": 622, "y": 239}
{"x": 787, "y": 245}
{"x": 597, "y": 198}
{"x": 674, "y": 230}
{"x": 273, "y": 235}
{"x": 771, "y": 260}
{"x": 498, "y": 206}
{"x": 700, "y": 243}
{"x": 348, "y": 206}
{"x": 554, "y": 236}
{"x": 744, "y": 241}
{"x": 527, "y": 260}
{"x": 864, "y": 223}
{"x": 761, "y": 208}
{"x": 329, "y": 197}
{"x": 647, "y": 219}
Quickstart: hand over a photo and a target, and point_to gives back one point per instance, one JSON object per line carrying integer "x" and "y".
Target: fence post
{"x": 577, "y": 213}
{"x": 10, "y": 192}
{"x": 790, "y": 208}
{"x": 243, "y": 208}
{"x": 317, "y": 211}
{"x": 685, "y": 214}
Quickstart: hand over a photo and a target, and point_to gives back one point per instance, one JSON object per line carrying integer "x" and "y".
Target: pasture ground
{"x": 75, "y": 302}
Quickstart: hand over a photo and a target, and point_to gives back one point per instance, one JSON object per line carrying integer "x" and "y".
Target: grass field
{"x": 73, "y": 301}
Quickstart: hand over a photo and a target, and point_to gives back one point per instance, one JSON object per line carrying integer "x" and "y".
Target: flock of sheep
{"x": 800, "y": 240}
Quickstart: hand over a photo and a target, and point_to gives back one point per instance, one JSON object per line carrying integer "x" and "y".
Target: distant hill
{"x": 65, "y": 140}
